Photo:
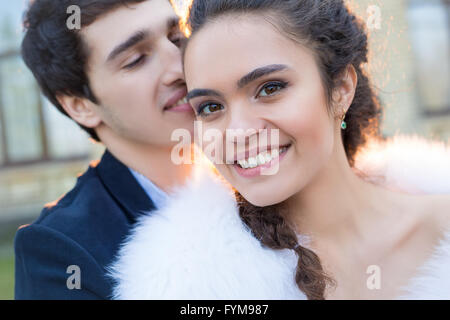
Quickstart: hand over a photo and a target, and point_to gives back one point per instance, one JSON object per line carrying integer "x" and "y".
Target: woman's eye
{"x": 135, "y": 62}
{"x": 271, "y": 89}
{"x": 209, "y": 108}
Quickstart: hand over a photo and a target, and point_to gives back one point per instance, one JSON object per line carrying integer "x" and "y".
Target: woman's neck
{"x": 338, "y": 205}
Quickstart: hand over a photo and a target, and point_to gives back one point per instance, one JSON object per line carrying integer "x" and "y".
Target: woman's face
{"x": 256, "y": 78}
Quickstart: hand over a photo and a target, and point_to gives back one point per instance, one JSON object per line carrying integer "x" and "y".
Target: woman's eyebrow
{"x": 203, "y": 92}
{"x": 252, "y": 76}
{"x": 260, "y": 72}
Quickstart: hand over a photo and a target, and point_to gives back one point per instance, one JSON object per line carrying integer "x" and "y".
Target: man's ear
{"x": 345, "y": 91}
{"x": 81, "y": 110}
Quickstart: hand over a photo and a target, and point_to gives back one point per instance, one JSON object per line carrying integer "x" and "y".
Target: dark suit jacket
{"x": 83, "y": 229}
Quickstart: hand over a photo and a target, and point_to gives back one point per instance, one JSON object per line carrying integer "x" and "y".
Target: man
{"x": 119, "y": 76}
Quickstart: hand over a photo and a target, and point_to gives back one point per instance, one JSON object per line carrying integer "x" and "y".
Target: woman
{"x": 333, "y": 211}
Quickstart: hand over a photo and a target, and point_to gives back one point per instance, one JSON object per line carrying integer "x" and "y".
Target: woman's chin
{"x": 262, "y": 199}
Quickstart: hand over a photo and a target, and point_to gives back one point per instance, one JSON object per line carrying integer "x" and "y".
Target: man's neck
{"x": 154, "y": 162}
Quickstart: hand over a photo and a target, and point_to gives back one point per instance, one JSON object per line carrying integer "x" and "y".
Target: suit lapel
{"x": 119, "y": 181}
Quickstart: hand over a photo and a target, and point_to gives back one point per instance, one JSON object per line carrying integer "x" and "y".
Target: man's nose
{"x": 172, "y": 60}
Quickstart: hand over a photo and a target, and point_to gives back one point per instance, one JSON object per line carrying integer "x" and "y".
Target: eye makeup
{"x": 208, "y": 108}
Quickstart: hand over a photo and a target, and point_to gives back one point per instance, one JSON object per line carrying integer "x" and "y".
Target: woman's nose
{"x": 242, "y": 131}
{"x": 243, "y": 119}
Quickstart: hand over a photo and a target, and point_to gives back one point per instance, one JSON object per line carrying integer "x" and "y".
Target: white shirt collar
{"x": 158, "y": 196}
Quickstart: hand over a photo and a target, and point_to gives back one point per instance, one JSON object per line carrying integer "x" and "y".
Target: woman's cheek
{"x": 310, "y": 127}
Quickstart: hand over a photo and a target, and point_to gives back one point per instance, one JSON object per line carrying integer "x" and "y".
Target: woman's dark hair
{"x": 56, "y": 55}
{"x": 338, "y": 40}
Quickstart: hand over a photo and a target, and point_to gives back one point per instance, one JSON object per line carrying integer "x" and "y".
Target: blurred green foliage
{"x": 7, "y": 276}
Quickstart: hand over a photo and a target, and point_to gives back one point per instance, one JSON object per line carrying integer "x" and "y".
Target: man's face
{"x": 135, "y": 71}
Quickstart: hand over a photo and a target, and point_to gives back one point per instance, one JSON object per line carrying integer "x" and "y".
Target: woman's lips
{"x": 261, "y": 169}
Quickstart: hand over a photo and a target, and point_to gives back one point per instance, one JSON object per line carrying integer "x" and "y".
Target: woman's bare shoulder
{"x": 441, "y": 212}
{"x": 429, "y": 214}
{"x": 434, "y": 211}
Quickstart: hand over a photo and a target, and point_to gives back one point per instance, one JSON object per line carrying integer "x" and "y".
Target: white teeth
{"x": 275, "y": 153}
{"x": 243, "y": 164}
{"x": 252, "y": 162}
{"x": 260, "y": 159}
{"x": 181, "y": 101}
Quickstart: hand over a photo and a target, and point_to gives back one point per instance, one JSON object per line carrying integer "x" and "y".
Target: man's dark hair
{"x": 57, "y": 55}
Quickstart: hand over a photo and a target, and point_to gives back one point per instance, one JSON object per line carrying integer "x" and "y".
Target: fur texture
{"x": 198, "y": 248}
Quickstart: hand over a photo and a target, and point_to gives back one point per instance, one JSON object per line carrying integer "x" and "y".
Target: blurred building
{"x": 410, "y": 63}
{"x": 41, "y": 151}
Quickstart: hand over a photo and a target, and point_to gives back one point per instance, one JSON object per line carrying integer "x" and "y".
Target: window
{"x": 429, "y": 22}
{"x": 21, "y": 113}
{"x": 31, "y": 129}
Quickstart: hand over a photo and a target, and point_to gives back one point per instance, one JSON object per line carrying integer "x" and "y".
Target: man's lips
{"x": 186, "y": 107}
{"x": 180, "y": 94}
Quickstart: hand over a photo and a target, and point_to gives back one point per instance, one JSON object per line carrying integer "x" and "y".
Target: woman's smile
{"x": 264, "y": 163}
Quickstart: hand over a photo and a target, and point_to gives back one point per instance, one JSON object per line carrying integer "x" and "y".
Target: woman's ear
{"x": 345, "y": 91}
{"x": 81, "y": 110}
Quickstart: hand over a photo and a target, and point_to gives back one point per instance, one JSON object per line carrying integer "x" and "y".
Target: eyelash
{"x": 135, "y": 62}
{"x": 281, "y": 84}
{"x": 177, "y": 37}
{"x": 177, "y": 41}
